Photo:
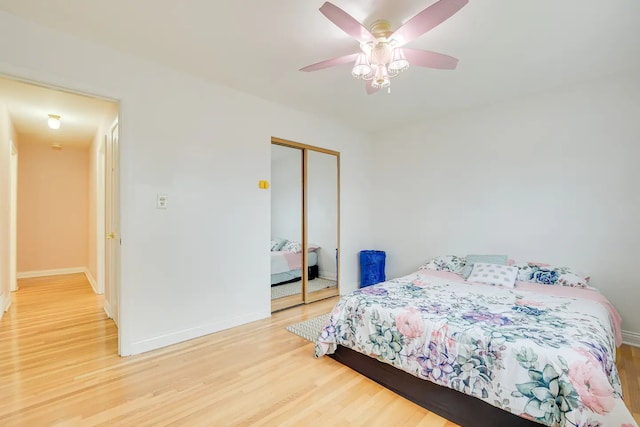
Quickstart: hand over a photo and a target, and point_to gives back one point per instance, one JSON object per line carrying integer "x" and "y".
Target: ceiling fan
{"x": 381, "y": 55}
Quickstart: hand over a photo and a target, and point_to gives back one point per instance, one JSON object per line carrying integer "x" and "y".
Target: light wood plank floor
{"x": 58, "y": 366}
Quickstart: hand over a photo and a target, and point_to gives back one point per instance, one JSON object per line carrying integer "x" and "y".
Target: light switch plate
{"x": 161, "y": 201}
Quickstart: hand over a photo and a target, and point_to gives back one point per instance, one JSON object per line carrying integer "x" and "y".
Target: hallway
{"x": 54, "y": 332}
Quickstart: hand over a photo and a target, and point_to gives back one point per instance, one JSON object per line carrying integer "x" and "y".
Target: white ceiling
{"x": 29, "y": 107}
{"x": 506, "y": 48}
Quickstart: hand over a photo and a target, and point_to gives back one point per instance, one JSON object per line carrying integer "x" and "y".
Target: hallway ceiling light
{"x": 54, "y": 121}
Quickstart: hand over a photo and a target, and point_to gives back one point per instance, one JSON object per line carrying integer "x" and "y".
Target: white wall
{"x": 6, "y": 136}
{"x": 202, "y": 264}
{"x": 286, "y": 193}
{"x": 550, "y": 178}
{"x": 53, "y": 207}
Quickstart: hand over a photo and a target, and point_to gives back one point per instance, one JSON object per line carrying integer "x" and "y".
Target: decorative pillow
{"x": 538, "y": 264}
{"x": 574, "y": 281}
{"x": 494, "y": 274}
{"x": 525, "y": 272}
{"x": 549, "y": 275}
{"x": 292, "y": 246}
{"x": 490, "y": 259}
{"x": 277, "y": 244}
{"x": 452, "y": 263}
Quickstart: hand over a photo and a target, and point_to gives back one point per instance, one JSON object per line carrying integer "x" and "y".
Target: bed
{"x": 286, "y": 266}
{"x": 483, "y": 355}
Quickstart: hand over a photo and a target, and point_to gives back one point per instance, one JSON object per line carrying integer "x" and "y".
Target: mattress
{"x": 283, "y": 275}
{"x": 541, "y": 352}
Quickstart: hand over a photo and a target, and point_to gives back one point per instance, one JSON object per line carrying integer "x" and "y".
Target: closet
{"x": 305, "y": 223}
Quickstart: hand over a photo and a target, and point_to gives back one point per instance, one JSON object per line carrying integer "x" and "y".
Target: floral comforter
{"x": 545, "y": 357}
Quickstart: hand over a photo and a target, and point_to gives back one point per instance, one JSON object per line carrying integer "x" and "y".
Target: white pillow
{"x": 277, "y": 244}
{"x": 292, "y": 246}
{"x": 494, "y": 274}
{"x": 452, "y": 263}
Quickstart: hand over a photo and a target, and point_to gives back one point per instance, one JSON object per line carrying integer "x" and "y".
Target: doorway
{"x": 62, "y": 172}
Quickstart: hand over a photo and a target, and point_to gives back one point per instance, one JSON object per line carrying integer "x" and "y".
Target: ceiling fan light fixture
{"x": 54, "y": 121}
{"x": 381, "y": 79}
{"x": 362, "y": 67}
{"x": 381, "y": 53}
{"x": 381, "y": 57}
{"x": 381, "y": 83}
{"x": 398, "y": 62}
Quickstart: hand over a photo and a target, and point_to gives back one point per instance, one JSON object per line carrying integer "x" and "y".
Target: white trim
{"x": 107, "y": 309}
{"x": 4, "y": 301}
{"x": 60, "y": 271}
{"x": 91, "y": 280}
{"x": 54, "y": 272}
{"x": 13, "y": 216}
{"x": 100, "y": 213}
{"x": 631, "y": 338}
{"x": 327, "y": 274}
{"x": 187, "y": 334}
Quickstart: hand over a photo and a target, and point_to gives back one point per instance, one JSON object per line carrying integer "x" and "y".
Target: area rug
{"x": 309, "y": 329}
{"x": 294, "y": 288}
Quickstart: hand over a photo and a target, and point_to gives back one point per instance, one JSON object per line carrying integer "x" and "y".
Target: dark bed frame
{"x": 451, "y": 404}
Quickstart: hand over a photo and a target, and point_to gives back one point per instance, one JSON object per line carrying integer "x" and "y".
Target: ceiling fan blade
{"x": 426, "y": 20}
{"x": 330, "y": 62}
{"x": 370, "y": 89}
{"x": 425, "y": 58}
{"x": 346, "y": 22}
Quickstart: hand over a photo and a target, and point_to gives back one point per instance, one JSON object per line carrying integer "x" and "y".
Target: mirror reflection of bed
{"x": 287, "y": 266}
{"x": 288, "y": 173}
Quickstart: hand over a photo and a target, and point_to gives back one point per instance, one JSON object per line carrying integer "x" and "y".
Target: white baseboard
{"x": 5, "y": 303}
{"x": 329, "y": 275}
{"x": 187, "y": 334}
{"x": 91, "y": 280}
{"x": 631, "y": 338}
{"x": 107, "y": 309}
{"x": 55, "y": 272}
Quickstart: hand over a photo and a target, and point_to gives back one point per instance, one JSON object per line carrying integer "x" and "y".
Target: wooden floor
{"x": 58, "y": 365}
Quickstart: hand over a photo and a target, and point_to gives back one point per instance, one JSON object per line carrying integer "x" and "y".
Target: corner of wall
{"x": 5, "y": 303}
{"x": 92, "y": 281}
{"x": 631, "y": 338}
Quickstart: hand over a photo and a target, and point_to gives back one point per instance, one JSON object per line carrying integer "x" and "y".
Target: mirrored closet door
{"x": 286, "y": 226}
{"x": 305, "y": 224}
{"x": 322, "y": 224}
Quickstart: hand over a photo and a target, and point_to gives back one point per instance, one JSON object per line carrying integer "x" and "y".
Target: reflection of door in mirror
{"x": 286, "y": 227}
{"x": 322, "y": 224}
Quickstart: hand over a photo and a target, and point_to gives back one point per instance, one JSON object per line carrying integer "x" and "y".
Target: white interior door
{"x": 112, "y": 226}
{"x": 101, "y": 216}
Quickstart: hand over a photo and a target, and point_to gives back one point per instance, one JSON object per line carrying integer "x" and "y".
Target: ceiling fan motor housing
{"x": 381, "y": 29}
